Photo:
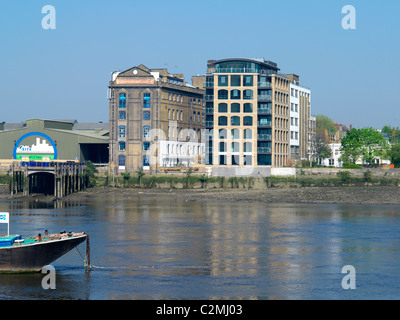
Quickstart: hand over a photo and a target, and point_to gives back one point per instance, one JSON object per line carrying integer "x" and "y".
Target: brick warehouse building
{"x": 156, "y": 120}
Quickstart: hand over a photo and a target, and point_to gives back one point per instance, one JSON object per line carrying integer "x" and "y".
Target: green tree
{"x": 322, "y": 148}
{"x": 366, "y": 144}
{"x": 394, "y": 155}
{"x": 91, "y": 171}
{"x": 140, "y": 174}
{"x": 324, "y": 123}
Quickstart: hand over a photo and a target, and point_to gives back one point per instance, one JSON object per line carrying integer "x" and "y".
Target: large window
{"x": 121, "y": 131}
{"x": 235, "y": 121}
{"x": 247, "y": 134}
{"x": 235, "y": 160}
{"x": 222, "y": 159}
{"x": 223, "y": 134}
{"x": 146, "y": 161}
{"x": 247, "y": 147}
{"x": 235, "y": 94}
{"x": 222, "y": 147}
{"x": 235, "y": 134}
{"x": 235, "y": 108}
{"x": 122, "y": 100}
{"x": 146, "y": 100}
{"x": 235, "y": 81}
{"x": 222, "y": 107}
{"x": 235, "y": 146}
{"x": 222, "y": 81}
{"x": 222, "y": 94}
{"x": 248, "y": 81}
{"x": 222, "y": 121}
{"x": 248, "y": 108}
{"x": 248, "y": 94}
{"x": 248, "y": 121}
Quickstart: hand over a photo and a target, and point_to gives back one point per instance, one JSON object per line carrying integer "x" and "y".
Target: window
{"x": 146, "y": 146}
{"x": 222, "y": 94}
{"x": 331, "y": 162}
{"x": 146, "y": 115}
{"x": 223, "y": 134}
{"x": 169, "y": 114}
{"x": 235, "y": 134}
{"x": 235, "y": 81}
{"x": 248, "y": 108}
{"x": 235, "y": 160}
{"x": 121, "y": 161}
{"x": 146, "y": 161}
{"x": 121, "y": 131}
{"x": 247, "y": 159}
{"x": 222, "y": 147}
{"x": 235, "y": 94}
{"x": 121, "y": 146}
{"x": 235, "y": 121}
{"x": 247, "y": 134}
{"x": 122, "y": 100}
{"x": 235, "y": 146}
{"x": 247, "y": 147}
{"x": 248, "y": 94}
{"x": 222, "y": 121}
{"x": 222, "y": 81}
{"x": 146, "y": 100}
{"x": 222, "y": 160}
{"x": 146, "y": 132}
{"x": 248, "y": 121}
{"x": 122, "y": 115}
{"x": 222, "y": 107}
{"x": 248, "y": 81}
{"x": 235, "y": 108}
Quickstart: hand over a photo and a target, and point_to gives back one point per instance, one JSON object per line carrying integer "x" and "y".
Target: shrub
{"x": 351, "y": 166}
{"x": 343, "y": 175}
{"x": 368, "y": 175}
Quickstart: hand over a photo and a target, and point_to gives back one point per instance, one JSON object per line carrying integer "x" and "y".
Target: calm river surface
{"x": 148, "y": 248}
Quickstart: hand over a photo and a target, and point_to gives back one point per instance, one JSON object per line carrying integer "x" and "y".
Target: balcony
{"x": 209, "y": 97}
{"x": 209, "y": 123}
{"x": 209, "y": 110}
{"x": 208, "y": 84}
{"x": 265, "y": 98}
{"x": 264, "y": 110}
{"x": 236, "y": 70}
{"x": 264, "y": 123}
{"x": 264, "y": 136}
{"x": 264, "y": 150}
{"x": 265, "y": 85}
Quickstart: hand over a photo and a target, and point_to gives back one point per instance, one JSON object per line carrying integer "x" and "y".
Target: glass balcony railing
{"x": 264, "y": 136}
{"x": 264, "y": 149}
{"x": 264, "y": 110}
{"x": 209, "y": 97}
{"x": 267, "y": 98}
{"x": 208, "y": 84}
{"x": 209, "y": 123}
{"x": 266, "y": 85}
{"x": 264, "y": 123}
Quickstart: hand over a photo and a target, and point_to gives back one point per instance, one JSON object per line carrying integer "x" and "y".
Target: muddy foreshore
{"x": 355, "y": 195}
{"x": 380, "y": 195}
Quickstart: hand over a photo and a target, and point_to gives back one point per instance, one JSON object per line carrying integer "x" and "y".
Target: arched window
{"x": 235, "y": 121}
{"x": 222, "y": 121}
{"x": 122, "y": 100}
{"x": 235, "y": 134}
{"x": 248, "y": 108}
{"x": 223, "y": 134}
{"x": 235, "y": 94}
{"x": 222, "y": 94}
{"x": 222, "y": 107}
{"x": 235, "y": 108}
{"x": 248, "y": 121}
{"x": 248, "y": 94}
{"x": 247, "y": 134}
{"x": 247, "y": 147}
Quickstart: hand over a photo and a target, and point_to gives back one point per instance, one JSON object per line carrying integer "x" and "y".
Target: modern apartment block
{"x": 300, "y": 113}
{"x": 246, "y": 113}
{"x": 155, "y": 120}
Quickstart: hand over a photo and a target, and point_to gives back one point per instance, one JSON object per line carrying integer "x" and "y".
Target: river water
{"x": 143, "y": 247}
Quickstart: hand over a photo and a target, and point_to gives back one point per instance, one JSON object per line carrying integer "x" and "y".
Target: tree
{"x": 366, "y": 143}
{"x": 324, "y": 123}
{"x": 322, "y": 148}
{"x": 140, "y": 174}
{"x": 394, "y": 155}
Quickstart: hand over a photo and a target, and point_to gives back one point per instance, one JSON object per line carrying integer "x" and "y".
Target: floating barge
{"x": 32, "y": 254}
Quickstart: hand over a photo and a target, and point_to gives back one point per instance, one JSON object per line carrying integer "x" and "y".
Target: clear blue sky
{"x": 64, "y": 73}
